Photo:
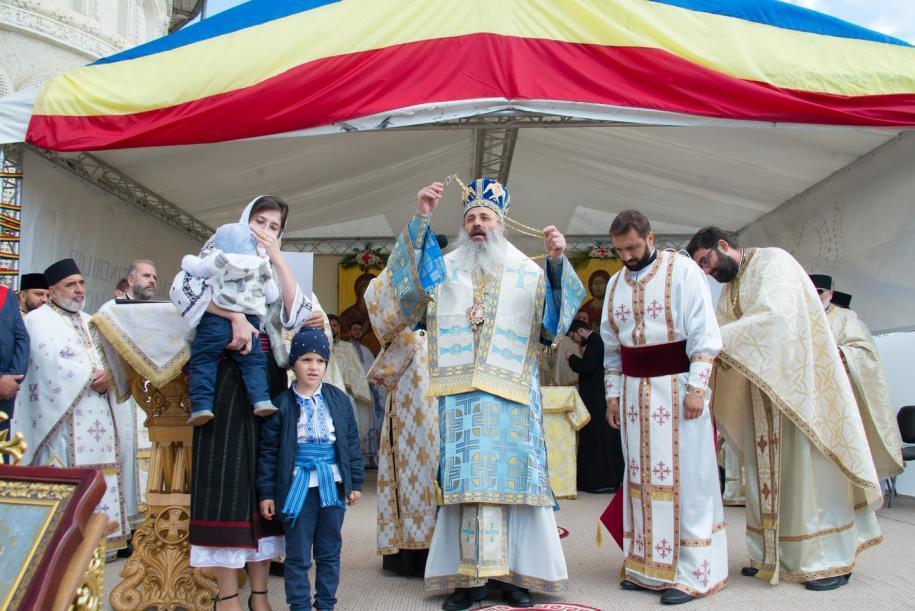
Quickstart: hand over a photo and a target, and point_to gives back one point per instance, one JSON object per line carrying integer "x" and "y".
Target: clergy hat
{"x": 821, "y": 281}
{"x": 488, "y": 193}
{"x": 32, "y": 281}
{"x": 60, "y": 270}
{"x": 843, "y": 300}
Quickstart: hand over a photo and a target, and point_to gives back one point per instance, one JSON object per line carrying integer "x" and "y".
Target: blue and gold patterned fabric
{"x": 493, "y": 450}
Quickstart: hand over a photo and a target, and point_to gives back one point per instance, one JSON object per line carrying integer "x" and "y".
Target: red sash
{"x": 3, "y": 293}
{"x": 655, "y": 360}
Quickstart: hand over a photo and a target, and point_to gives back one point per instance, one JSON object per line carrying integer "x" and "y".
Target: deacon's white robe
{"x": 735, "y": 478}
{"x": 673, "y": 519}
{"x": 64, "y": 422}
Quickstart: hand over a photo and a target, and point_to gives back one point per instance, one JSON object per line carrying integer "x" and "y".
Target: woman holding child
{"x": 226, "y": 530}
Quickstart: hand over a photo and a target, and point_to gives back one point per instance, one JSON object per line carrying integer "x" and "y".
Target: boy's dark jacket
{"x": 279, "y": 436}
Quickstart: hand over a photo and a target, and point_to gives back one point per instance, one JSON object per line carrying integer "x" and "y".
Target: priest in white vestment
{"x": 660, "y": 344}
{"x": 868, "y": 381}
{"x": 783, "y": 399}
{"x": 486, "y": 307}
{"x": 345, "y": 371}
{"x": 407, "y": 455}
{"x": 63, "y": 410}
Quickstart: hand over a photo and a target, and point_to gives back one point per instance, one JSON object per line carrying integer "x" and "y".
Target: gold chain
{"x": 510, "y": 222}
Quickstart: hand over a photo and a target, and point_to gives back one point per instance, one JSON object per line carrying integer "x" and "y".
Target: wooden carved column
{"x": 158, "y": 574}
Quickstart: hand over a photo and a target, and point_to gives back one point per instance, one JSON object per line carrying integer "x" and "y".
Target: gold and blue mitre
{"x": 488, "y": 193}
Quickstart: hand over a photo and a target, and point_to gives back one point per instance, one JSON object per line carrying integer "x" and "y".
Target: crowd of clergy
{"x": 774, "y": 399}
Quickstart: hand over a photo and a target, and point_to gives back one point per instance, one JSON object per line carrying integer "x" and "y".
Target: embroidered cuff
{"x": 612, "y": 381}
{"x": 700, "y": 371}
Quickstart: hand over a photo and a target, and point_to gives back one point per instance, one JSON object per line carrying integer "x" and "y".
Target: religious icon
{"x": 353, "y": 282}
{"x": 596, "y": 274}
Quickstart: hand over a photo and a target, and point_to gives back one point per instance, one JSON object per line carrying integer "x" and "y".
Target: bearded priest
{"x": 486, "y": 307}
{"x": 784, "y": 401}
{"x": 63, "y": 409}
{"x": 660, "y": 344}
{"x": 868, "y": 381}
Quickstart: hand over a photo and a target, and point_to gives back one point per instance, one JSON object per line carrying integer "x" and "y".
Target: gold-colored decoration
{"x": 89, "y": 595}
{"x": 15, "y": 447}
{"x": 158, "y": 574}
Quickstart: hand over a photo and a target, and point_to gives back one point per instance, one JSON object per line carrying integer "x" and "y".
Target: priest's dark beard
{"x": 646, "y": 258}
{"x": 727, "y": 268}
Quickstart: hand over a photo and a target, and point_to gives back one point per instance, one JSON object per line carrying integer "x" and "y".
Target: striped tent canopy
{"x": 268, "y": 68}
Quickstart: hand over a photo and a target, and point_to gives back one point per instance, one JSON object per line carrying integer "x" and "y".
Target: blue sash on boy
{"x": 311, "y": 457}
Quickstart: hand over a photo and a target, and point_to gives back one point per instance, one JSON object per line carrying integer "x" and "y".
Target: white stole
{"x": 509, "y": 335}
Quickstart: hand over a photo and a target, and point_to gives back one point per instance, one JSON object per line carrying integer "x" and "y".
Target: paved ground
{"x": 884, "y": 578}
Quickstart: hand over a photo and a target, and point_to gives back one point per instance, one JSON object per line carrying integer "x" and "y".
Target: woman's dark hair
{"x": 578, "y": 324}
{"x": 272, "y": 202}
{"x": 708, "y": 237}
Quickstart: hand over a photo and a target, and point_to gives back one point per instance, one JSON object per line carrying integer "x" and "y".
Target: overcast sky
{"x": 892, "y": 17}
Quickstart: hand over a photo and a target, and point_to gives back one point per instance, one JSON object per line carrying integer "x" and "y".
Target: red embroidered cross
{"x": 703, "y": 573}
{"x": 661, "y": 416}
{"x": 704, "y": 375}
{"x": 762, "y": 444}
{"x": 661, "y": 470}
{"x": 654, "y": 308}
{"x": 623, "y": 313}
{"x": 639, "y": 543}
{"x": 633, "y": 469}
{"x": 633, "y": 414}
{"x": 663, "y": 548}
{"x": 765, "y": 490}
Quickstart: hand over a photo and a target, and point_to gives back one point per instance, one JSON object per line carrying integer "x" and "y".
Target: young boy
{"x": 308, "y": 462}
{"x": 242, "y": 281}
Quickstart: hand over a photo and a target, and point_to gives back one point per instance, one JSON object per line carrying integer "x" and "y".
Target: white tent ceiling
{"x": 364, "y": 184}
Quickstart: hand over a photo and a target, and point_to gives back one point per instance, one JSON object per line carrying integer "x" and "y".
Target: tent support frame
{"x": 111, "y": 180}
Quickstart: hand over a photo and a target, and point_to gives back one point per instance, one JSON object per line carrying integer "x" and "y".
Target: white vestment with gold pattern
{"x": 782, "y": 397}
{"x": 64, "y": 422}
{"x": 872, "y": 393}
{"x": 673, "y": 519}
{"x": 409, "y": 449}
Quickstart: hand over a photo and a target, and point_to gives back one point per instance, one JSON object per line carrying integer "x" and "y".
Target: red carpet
{"x": 544, "y": 607}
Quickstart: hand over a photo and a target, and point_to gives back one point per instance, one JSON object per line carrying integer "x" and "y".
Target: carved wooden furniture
{"x": 158, "y": 573}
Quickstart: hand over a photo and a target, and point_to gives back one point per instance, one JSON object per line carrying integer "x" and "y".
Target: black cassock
{"x": 600, "y": 454}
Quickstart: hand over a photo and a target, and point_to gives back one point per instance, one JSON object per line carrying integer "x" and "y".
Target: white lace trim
{"x": 268, "y": 548}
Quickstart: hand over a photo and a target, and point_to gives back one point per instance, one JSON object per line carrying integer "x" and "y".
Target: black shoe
{"x": 277, "y": 569}
{"x": 749, "y": 571}
{"x": 463, "y": 598}
{"x": 827, "y": 583}
{"x": 518, "y": 598}
{"x": 631, "y": 586}
{"x": 673, "y": 596}
{"x": 126, "y": 551}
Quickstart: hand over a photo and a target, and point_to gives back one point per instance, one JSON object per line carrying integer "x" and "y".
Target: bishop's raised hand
{"x": 428, "y": 197}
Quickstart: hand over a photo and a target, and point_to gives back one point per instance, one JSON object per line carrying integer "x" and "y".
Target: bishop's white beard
{"x": 70, "y": 305}
{"x": 486, "y": 256}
